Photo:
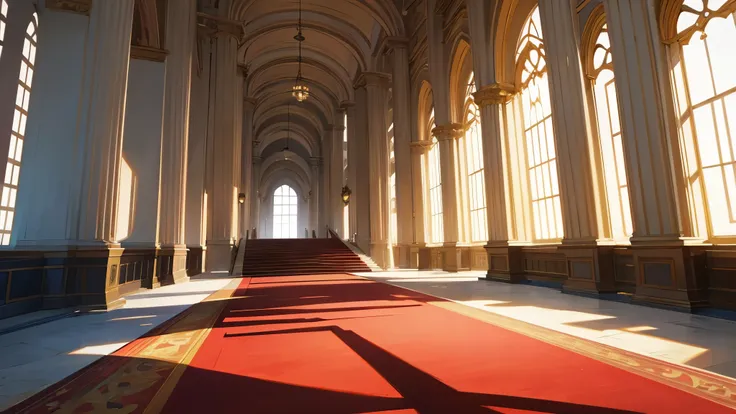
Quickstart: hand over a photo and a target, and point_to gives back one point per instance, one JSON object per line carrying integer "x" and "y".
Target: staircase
{"x": 279, "y": 257}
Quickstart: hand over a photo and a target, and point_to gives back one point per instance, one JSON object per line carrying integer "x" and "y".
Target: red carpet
{"x": 340, "y": 344}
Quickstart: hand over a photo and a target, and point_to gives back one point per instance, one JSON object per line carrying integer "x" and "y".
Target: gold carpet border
{"x": 710, "y": 386}
{"x": 157, "y": 362}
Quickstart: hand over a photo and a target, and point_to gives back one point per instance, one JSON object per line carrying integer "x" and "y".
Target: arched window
{"x": 434, "y": 184}
{"x": 609, "y": 135}
{"x": 474, "y": 162}
{"x": 539, "y": 139}
{"x": 346, "y": 207}
{"x": 392, "y": 184}
{"x": 705, "y": 87}
{"x": 284, "y": 213}
{"x": 3, "y": 23}
{"x": 17, "y": 135}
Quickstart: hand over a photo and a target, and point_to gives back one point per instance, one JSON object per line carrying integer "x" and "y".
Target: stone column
{"x": 376, "y": 85}
{"x": 246, "y": 171}
{"x": 325, "y": 202}
{"x": 588, "y": 262}
{"x": 447, "y": 137}
{"x": 667, "y": 268}
{"x": 351, "y": 171}
{"x": 336, "y": 178}
{"x": 402, "y": 150}
{"x": 82, "y": 167}
{"x": 314, "y": 206}
{"x": 504, "y": 246}
{"x": 181, "y": 31}
{"x": 360, "y": 199}
{"x": 418, "y": 150}
{"x": 226, "y": 161}
{"x": 255, "y": 196}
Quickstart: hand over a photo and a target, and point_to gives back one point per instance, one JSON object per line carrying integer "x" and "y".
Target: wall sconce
{"x": 241, "y": 198}
{"x": 346, "y": 192}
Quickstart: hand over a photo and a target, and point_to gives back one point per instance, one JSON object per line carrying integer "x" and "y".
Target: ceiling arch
{"x": 342, "y": 38}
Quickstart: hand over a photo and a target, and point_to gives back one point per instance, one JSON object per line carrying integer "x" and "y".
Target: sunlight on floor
{"x": 105, "y": 349}
{"x": 630, "y": 338}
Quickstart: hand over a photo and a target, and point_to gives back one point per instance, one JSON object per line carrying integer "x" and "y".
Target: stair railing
{"x": 236, "y": 254}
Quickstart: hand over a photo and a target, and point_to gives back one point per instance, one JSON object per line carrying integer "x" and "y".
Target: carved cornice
{"x": 420, "y": 147}
{"x": 389, "y": 43}
{"x": 216, "y": 26}
{"x": 148, "y": 53}
{"x": 372, "y": 79}
{"x": 448, "y": 131}
{"x": 74, "y": 6}
{"x": 494, "y": 94}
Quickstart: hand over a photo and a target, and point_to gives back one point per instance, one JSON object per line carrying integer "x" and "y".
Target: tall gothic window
{"x": 3, "y": 23}
{"x": 541, "y": 158}
{"x": 609, "y": 133}
{"x": 17, "y": 135}
{"x": 284, "y": 213}
{"x": 705, "y": 87}
{"x": 474, "y": 162}
{"x": 346, "y": 207}
{"x": 434, "y": 183}
{"x": 392, "y": 183}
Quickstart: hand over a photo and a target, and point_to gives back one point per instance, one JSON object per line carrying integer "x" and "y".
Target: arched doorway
{"x": 284, "y": 213}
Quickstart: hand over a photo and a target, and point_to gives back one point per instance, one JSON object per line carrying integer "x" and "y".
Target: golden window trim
{"x": 671, "y": 10}
{"x": 593, "y": 28}
{"x": 523, "y": 58}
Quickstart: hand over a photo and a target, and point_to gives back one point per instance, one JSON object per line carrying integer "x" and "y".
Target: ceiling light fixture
{"x": 300, "y": 91}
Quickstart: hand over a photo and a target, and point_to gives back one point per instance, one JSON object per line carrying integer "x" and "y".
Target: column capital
{"x": 216, "y": 26}
{"x": 250, "y": 100}
{"x": 391, "y": 43}
{"x": 494, "y": 94}
{"x": 448, "y": 131}
{"x": 346, "y": 104}
{"x": 74, "y": 6}
{"x": 332, "y": 127}
{"x": 420, "y": 147}
{"x": 372, "y": 79}
{"x": 315, "y": 161}
{"x": 243, "y": 70}
{"x": 257, "y": 160}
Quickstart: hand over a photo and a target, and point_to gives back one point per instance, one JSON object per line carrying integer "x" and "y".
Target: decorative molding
{"x": 372, "y": 79}
{"x": 148, "y": 53}
{"x": 593, "y": 27}
{"x": 346, "y": 104}
{"x": 74, "y": 6}
{"x": 494, "y": 94}
{"x": 332, "y": 127}
{"x": 215, "y": 26}
{"x": 420, "y": 147}
{"x": 448, "y": 131}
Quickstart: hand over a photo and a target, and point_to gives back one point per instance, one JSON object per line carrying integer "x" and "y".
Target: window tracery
{"x": 705, "y": 88}
{"x": 539, "y": 138}
{"x": 609, "y": 136}
{"x": 18, "y": 132}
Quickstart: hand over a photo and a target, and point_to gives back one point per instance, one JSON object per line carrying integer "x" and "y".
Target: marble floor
{"x": 682, "y": 338}
{"x": 33, "y": 358}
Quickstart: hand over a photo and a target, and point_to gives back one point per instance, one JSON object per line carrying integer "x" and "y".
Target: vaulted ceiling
{"x": 342, "y": 37}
